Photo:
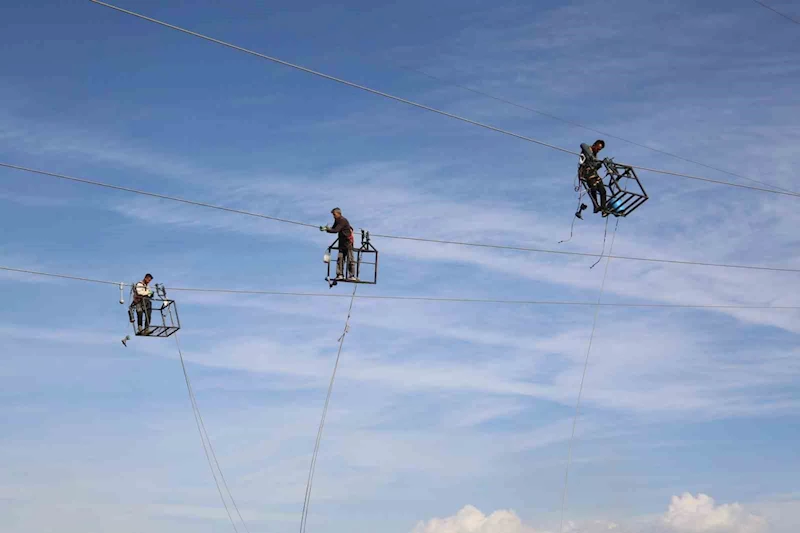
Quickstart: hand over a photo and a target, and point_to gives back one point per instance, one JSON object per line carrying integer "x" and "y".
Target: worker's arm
{"x": 337, "y": 226}
{"x": 588, "y": 153}
{"x": 588, "y": 159}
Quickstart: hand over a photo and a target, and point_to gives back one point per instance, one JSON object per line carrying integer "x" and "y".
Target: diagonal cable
{"x": 329, "y": 77}
{"x": 307, "y": 500}
{"x": 583, "y": 378}
{"x": 582, "y": 126}
{"x": 152, "y": 194}
{"x": 203, "y": 435}
{"x": 410, "y": 102}
{"x": 210, "y": 445}
{"x": 784, "y": 15}
{"x": 396, "y": 237}
{"x": 256, "y": 292}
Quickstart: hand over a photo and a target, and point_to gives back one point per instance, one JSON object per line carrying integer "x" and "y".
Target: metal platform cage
{"x": 365, "y": 258}
{"x": 168, "y": 324}
{"x": 625, "y": 190}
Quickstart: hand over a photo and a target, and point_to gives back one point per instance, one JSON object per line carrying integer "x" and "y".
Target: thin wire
{"x": 583, "y": 378}
{"x": 587, "y": 254}
{"x": 63, "y": 276}
{"x": 201, "y": 429}
{"x": 412, "y": 103}
{"x": 579, "y": 125}
{"x": 571, "y": 228}
{"x": 605, "y": 234}
{"x": 307, "y": 500}
{"x": 425, "y": 298}
{"x": 211, "y": 447}
{"x": 398, "y": 237}
{"x": 152, "y": 194}
{"x": 784, "y": 15}
{"x": 329, "y": 77}
{"x": 575, "y": 216}
{"x": 485, "y": 300}
{"x": 718, "y": 182}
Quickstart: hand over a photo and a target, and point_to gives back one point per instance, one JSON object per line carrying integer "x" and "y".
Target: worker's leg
{"x": 602, "y": 189}
{"x": 351, "y": 264}
{"x": 148, "y": 306}
{"x": 598, "y": 192}
{"x": 596, "y": 199}
{"x": 139, "y": 315}
{"x": 340, "y": 262}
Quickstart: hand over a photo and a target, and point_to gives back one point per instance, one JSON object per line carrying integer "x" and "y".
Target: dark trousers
{"x": 601, "y": 190}
{"x": 596, "y": 188}
{"x": 144, "y": 308}
{"x": 345, "y": 254}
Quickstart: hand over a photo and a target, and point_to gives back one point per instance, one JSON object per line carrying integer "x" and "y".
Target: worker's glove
{"x": 323, "y": 228}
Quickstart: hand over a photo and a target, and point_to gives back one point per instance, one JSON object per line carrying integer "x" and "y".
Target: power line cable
{"x": 152, "y": 194}
{"x": 307, "y": 500}
{"x": 329, "y": 77}
{"x": 583, "y": 378}
{"x": 208, "y": 438}
{"x": 204, "y": 435}
{"x": 488, "y": 300}
{"x": 412, "y": 103}
{"x": 579, "y": 125}
{"x": 62, "y": 276}
{"x": 587, "y": 254}
{"x": 253, "y": 292}
{"x": 784, "y": 15}
{"x": 398, "y": 237}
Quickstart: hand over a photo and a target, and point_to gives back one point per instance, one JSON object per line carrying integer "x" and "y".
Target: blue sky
{"x": 445, "y": 416}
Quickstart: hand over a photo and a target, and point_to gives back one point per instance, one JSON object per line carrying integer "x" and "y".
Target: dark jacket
{"x": 589, "y": 165}
{"x": 589, "y": 159}
{"x": 345, "y": 231}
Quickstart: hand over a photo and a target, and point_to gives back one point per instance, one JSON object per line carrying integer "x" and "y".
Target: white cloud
{"x": 471, "y": 520}
{"x": 686, "y": 514}
{"x": 700, "y": 514}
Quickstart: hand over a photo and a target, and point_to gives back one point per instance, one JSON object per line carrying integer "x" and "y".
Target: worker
{"x": 587, "y": 172}
{"x": 141, "y": 301}
{"x": 345, "y": 231}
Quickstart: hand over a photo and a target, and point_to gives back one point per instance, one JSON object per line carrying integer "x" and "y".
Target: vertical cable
{"x": 583, "y": 377}
{"x": 307, "y": 500}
